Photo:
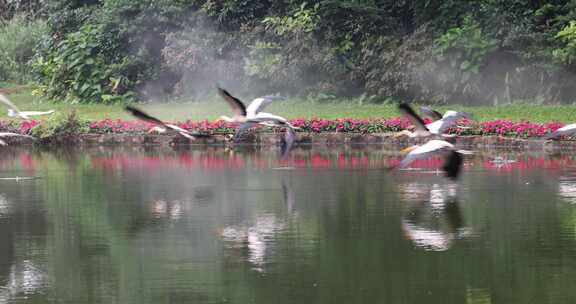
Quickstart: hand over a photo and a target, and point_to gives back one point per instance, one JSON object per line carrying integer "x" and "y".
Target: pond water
{"x": 131, "y": 225}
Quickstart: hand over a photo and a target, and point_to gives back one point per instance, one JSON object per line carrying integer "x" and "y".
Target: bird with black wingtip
{"x": 453, "y": 158}
{"x": 162, "y": 126}
{"x": 436, "y": 128}
{"x": 252, "y": 115}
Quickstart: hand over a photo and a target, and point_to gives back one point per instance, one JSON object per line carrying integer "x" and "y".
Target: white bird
{"x": 13, "y": 111}
{"x": 253, "y": 115}
{"x": 162, "y": 126}
{"x": 452, "y": 158}
{"x": 566, "y": 130}
{"x": 437, "y": 128}
{"x": 254, "y": 109}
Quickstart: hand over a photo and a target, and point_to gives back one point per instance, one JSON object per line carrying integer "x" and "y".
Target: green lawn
{"x": 295, "y": 109}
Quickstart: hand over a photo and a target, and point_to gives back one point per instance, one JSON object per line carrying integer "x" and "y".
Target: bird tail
{"x": 465, "y": 152}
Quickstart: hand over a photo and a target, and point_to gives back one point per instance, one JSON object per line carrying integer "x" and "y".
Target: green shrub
{"x": 567, "y": 53}
{"x": 61, "y": 127}
{"x": 19, "y": 38}
{"x": 83, "y": 68}
{"x": 106, "y": 51}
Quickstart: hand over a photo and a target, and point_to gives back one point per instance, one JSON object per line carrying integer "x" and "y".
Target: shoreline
{"x": 265, "y": 139}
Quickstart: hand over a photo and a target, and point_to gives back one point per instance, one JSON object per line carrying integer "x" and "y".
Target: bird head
{"x": 157, "y": 129}
{"x": 224, "y": 118}
{"x": 402, "y": 134}
{"x": 408, "y": 150}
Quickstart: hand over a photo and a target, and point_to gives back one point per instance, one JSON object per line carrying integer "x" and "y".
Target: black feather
{"x": 453, "y": 165}
{"x": 237, "y": 105}
{"x": 409, "y": 112}
{"x": 143, "y": 116}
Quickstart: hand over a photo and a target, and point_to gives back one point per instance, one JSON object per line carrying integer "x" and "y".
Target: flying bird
{"x": 162, "y": 126}
{"x": 252, "y": 115}
{"x": 453, "y": 158}
{"x": 254, "y": 109}
{"x": 437, "y": 128}
{"x": 566, "y": 130}
{"x": 13, "y": 111}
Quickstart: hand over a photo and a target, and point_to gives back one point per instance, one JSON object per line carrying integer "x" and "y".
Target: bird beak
{"x": 465, "y": 152}
{"x": 156, "y": 129}
{"x": 401, "y": 133}
{"x": 408, "y": 150}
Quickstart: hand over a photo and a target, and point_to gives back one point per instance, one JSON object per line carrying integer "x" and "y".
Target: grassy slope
{"x": 294, "y": 109}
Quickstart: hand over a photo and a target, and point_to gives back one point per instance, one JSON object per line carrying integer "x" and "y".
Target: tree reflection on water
{"x": 327, "y": 225}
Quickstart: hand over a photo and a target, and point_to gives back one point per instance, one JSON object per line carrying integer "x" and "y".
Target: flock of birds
{"x": 438, "y": 145}
{"x": 253, "y": 115}
{"x": 247, "y": 116}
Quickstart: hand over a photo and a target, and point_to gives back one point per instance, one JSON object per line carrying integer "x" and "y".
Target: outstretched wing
{"x": 431, "y": 113}
{"x": 237, "y": 106}
{"x": 260, "y": 103}
{"x": 146, "y": 117}
{"x": 143, "y": 116}
{"x": 414, "y": 118}
{"x": 36, "y": 113}
{"x": 8, "y": 103}
{"x": 565, "y": 130}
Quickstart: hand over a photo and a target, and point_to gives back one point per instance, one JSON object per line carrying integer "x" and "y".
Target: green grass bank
{"x": 213, "y": 108}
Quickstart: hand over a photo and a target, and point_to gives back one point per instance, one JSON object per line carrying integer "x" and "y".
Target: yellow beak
{"x": 408, "y": 150}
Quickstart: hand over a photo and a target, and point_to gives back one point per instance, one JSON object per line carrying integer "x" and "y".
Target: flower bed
{"x": 521, "y": 129}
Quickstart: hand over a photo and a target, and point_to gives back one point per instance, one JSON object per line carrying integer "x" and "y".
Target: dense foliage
{"x": 435, "y": 51}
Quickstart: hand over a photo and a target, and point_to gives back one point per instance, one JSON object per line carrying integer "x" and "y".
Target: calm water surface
{"x": 326, "y": 226}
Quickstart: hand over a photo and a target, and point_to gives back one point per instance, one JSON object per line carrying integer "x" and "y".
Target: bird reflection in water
{"x": 258, "y": 239}
{"x": 176, "y": 209}
{"x": 25, "y": 278}
{"x": 567, "y": 189}
{"x": 434, "y": 225}
{"x": 162, "y": 209}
